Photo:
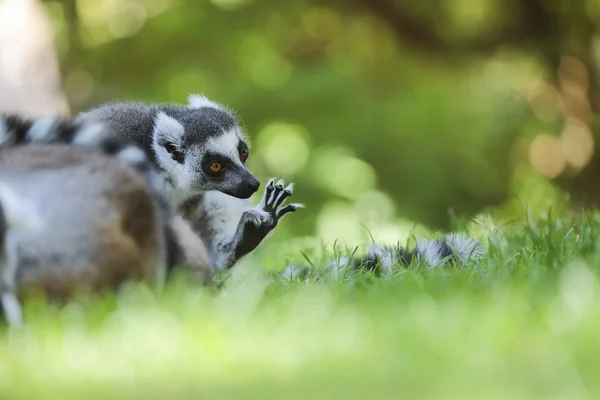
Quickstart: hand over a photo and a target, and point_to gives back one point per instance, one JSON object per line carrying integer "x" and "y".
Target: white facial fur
{"x": 182, "y": 175}
{"x": 199, "y": 101}
{"x": 227, "y": 145}
{"x": 188, "y": 179}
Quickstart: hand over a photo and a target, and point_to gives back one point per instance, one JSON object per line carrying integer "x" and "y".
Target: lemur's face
{"x": 222, "y": 165}
{"x": 204, "y": 151}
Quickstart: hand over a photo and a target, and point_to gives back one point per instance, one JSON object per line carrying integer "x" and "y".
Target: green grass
{"x": 523, "y": 322}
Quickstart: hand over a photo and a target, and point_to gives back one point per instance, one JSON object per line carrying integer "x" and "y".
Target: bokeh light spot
{"x": 270, "y": 71}
{"x": 94, "y": 13}
{"x": 577, "y": 143}
{"x": 573, "y": 76}
{"x": 471, "y": 16}
{"x": 546, "y": 157}
{"x": 375, "y": 206}
{"x": 229, "y": 5}
{"x": 343, "y": 175}
{"x": 544, "y": 101}
{"x": 339, "y": 221}
{"x": 156, "y": 7}
{"x": 127, "y": 19}
{"x": 321, "y": 23}
{"x": 266, "y": 68}
{"x": 78, "y": 85}
{"x": 283, "y": 147}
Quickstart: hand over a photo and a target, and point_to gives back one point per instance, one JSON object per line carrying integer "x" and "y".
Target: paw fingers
{"x": 287, "y": 192}
{"x": 288, "y": 209}
{"x": 268, "y": 192}
{"x": 276, "y": 193}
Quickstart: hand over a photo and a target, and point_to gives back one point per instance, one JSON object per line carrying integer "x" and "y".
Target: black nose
{"x": 253, "y": 184}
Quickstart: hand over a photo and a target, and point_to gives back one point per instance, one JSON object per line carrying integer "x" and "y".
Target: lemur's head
{"x": 201, "y": 147}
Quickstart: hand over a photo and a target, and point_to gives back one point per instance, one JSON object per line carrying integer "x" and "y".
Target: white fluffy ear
{"x": 167, "y": 130}
{"x": 199, "y": 101}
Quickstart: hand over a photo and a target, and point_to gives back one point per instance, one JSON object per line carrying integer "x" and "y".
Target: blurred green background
{"x": 386, "y": 113}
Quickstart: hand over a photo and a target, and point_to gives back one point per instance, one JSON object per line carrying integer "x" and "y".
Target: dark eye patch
{"x": 210, "y": 158}
{"x": 243, "y": 147}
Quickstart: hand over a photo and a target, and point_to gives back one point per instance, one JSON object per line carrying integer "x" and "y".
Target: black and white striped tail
{"x": 379, "y": 259}
{"x": 17, "y": 131}
{"x": 434, "y": 252}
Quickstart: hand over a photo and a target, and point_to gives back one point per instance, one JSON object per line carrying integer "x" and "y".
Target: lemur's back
{"x": 132, "y": 122}
{"x": 99, "y": 222}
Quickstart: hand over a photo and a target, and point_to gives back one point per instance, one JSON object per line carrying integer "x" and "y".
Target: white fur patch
{"x": 132, "y": 155}
{"x": 464, "y": 245}
{"x": 225, "y": 213}
{"x": 167, "y": 128}
{"x": 182, "y": 175}
{"x": 21, "y": 215}
{"x": 258, "y": 217}
{"x": 90, "y": 135}
{"x": 227, "y": 145}
{"x": 20, "y": 212}
{"x": 12, "y": 309}
{"x": 293, "y": 272}
{"x": 4, "y": 133}
{"x": 44, "y": 129}
{"x": 199, "y": 101}
{"x": 430, "y": 251}
{"x": 388, "y": 257}
{"x": 338, "y": 267}
{"x": 194, "y": 248}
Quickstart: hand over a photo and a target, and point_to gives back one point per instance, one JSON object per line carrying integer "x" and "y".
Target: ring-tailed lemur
{"x": 82, "y": 214}
{"x": 184, "y": 245}
{"x": 384, "y": 260}
{"x": 202, "y": 154}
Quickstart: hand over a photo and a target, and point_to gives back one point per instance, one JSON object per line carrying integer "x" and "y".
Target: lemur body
{"x": 201, "y": 151}
{"x": 82, "y": 215}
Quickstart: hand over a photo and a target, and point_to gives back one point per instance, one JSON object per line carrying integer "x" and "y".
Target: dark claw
{"x": 279, "y": 201}
{"x": 268, "y": 190}
{"x": 271, "y": 205}
{"x": 285, "y": 210}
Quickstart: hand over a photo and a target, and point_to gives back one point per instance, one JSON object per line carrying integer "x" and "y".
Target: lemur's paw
{"x": 258, "y": 217}
{"x": 274, "y": 197}
{"x": 257, "y": 223}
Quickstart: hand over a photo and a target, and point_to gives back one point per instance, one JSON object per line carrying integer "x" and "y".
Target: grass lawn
{"x": 523, "y": 322}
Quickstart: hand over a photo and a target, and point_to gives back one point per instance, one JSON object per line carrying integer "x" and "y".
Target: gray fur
{"x": 135, "y": 121}
{"x": 97, "y": 226}
{"x": 183, "y": 141}
{"x": 94, "y": 208}
{"x": 53, "y": 129}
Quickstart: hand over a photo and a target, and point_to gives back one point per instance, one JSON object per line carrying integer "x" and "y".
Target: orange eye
{"x": 215, "y": 167}
{"x": 244, "y": 153}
